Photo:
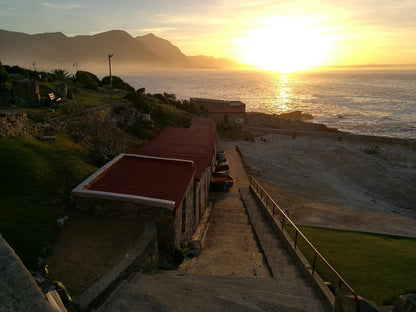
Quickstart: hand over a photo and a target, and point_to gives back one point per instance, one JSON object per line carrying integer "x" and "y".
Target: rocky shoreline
{"x": 327, "y": 178}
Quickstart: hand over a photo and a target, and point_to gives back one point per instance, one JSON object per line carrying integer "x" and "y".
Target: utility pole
{"x": 111, "y": 78}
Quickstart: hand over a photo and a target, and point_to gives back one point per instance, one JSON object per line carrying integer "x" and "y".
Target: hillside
{"x": 74, "y": 137}
{"x": 56, "y": 50}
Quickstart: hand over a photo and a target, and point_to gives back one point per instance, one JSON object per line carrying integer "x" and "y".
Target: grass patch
{"x": 35, "y": 180}
{"x": 377, "y": 267}
{"x": 90, "y": 98}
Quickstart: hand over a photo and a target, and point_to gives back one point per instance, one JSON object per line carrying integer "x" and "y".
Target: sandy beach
{"x": 339, "y": 181}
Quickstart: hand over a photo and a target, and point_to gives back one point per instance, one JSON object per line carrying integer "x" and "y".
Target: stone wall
{"x": 18, "y": 290}
{"x": 15, "y": 123}
{"x": 164, "y": 219}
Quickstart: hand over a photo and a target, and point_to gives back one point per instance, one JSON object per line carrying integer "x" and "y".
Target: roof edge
{"x": 154, "y": 202}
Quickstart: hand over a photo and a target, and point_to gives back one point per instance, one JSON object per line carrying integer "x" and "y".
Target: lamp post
{"x": 111, "y": 78}
{"x": 34, "y": 64}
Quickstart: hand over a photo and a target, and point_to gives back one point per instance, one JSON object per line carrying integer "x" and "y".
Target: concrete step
{"x": 170, "y": 291}
{"x": 149, "y": 294}
{"x": 286, "y": 286}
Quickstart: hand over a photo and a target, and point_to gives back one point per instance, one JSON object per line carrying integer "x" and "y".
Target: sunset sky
{"x": 281, "y": 35}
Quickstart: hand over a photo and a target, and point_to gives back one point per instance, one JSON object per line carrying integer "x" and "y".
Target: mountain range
{"x": 48, "y": 51}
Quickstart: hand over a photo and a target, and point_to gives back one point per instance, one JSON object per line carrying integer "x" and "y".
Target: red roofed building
{"x": 160, "y": 190}
{"x": 228, "y": 113}
{"x": 196, "y": 144}
{"x": 166, "y": 182}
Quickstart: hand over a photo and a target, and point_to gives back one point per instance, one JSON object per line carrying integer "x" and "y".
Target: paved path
{"x": 230, "y": 247}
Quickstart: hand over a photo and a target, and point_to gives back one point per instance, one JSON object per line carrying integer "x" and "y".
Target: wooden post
{"x": 111, "y": 78}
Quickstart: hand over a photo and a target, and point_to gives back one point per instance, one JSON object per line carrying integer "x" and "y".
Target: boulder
{"x": 61, "y": 91}
{"x": 25, "y": 93}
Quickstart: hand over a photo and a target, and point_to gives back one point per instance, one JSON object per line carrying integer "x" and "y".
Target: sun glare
{"x": 285, "y": 44}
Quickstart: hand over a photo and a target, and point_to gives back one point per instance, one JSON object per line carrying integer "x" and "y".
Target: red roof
{"x": 227, "y": 109}
{"x": 194, "y": 144}
{"x": 155, "y": 178}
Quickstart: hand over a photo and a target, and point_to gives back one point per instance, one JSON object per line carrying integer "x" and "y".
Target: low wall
{"x": 18, "y": 290}
{"x": 144, "y": 257}
{"x": 15, "y": 123}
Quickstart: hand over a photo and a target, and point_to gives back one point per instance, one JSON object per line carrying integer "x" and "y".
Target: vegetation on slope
{"x": 36, "y": 176}
{"x": 35, "y": 182}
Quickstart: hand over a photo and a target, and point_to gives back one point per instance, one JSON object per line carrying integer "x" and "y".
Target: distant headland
{"x": 56, "y": 50}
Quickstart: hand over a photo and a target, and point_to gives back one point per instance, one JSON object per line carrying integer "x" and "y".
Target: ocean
{"x": 377, "y": 102}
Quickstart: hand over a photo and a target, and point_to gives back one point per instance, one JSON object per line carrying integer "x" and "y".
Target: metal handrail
{"x": 255, "y": 185}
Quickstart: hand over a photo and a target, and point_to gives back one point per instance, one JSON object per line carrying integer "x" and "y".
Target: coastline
{"x": 334, "y": 179}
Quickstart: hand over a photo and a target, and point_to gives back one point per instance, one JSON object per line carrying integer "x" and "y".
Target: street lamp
{"x": 34, "y": 64}
{"x": 111, "y": 78}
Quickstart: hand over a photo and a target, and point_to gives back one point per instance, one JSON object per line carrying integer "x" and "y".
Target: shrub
{"x": 118, "y": 83}
{"x": 139, "y": 100}
{"x": 87, "y": 80}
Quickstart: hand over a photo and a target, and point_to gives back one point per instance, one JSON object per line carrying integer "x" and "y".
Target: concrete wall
{"x": 18, "y": 290}
{"x": 163, "y": 218}
{"x": 172, "y": 232}
{"x": 144, "y": 257}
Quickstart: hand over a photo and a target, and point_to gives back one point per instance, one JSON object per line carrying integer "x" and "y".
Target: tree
{"x": 4, "y": 76}
{"x": 60, "y": 75}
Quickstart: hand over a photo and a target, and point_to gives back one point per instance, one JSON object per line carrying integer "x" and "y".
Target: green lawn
{"x": 377, "y": 267}
{"x": 35, "y": 180}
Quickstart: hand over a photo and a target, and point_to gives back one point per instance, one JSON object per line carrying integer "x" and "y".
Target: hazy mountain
{"x": 164, "y": 49}
{"x": 90, "y": 52}
{"x": 203, "y": 61}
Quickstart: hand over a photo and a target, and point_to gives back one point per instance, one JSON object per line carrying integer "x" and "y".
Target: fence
{"x": 280, "y": 216}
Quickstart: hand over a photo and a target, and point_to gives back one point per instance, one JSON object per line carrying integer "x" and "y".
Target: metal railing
{"x": 268, "y": 201}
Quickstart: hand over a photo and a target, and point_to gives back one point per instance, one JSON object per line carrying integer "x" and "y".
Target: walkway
{"x": 231, "y": 248}
{"x": 231, "y": 273}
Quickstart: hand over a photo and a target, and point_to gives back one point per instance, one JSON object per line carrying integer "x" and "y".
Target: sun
{"x": 285, "y": 44}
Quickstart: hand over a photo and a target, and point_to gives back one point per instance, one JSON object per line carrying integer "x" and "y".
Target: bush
{"x": 87, "y": 80}
{"x": 4, "y": 76}
{"x": 139, "y": 101}
{"x": 118, "y": 83}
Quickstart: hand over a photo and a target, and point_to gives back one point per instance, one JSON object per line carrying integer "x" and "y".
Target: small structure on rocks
{"x": 228, "y": 113}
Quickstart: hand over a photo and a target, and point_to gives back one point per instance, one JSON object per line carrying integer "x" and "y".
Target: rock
{"x": 295, "y": 115}
{"x": 18, "y": 289}
{"x": 25, "y": 93}
{"x": 61, "y": 91}
{"x": 406, "y": 303}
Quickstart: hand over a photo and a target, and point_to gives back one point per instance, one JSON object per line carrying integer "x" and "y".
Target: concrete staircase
{"x": 175, "y": 291}
{"x": 243, "y": 266}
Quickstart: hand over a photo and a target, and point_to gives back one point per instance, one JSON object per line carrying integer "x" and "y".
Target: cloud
{"x": 61, "y": 6}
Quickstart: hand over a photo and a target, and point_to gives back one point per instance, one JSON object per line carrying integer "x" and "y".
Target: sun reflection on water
{"x": 283, "y": 94}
